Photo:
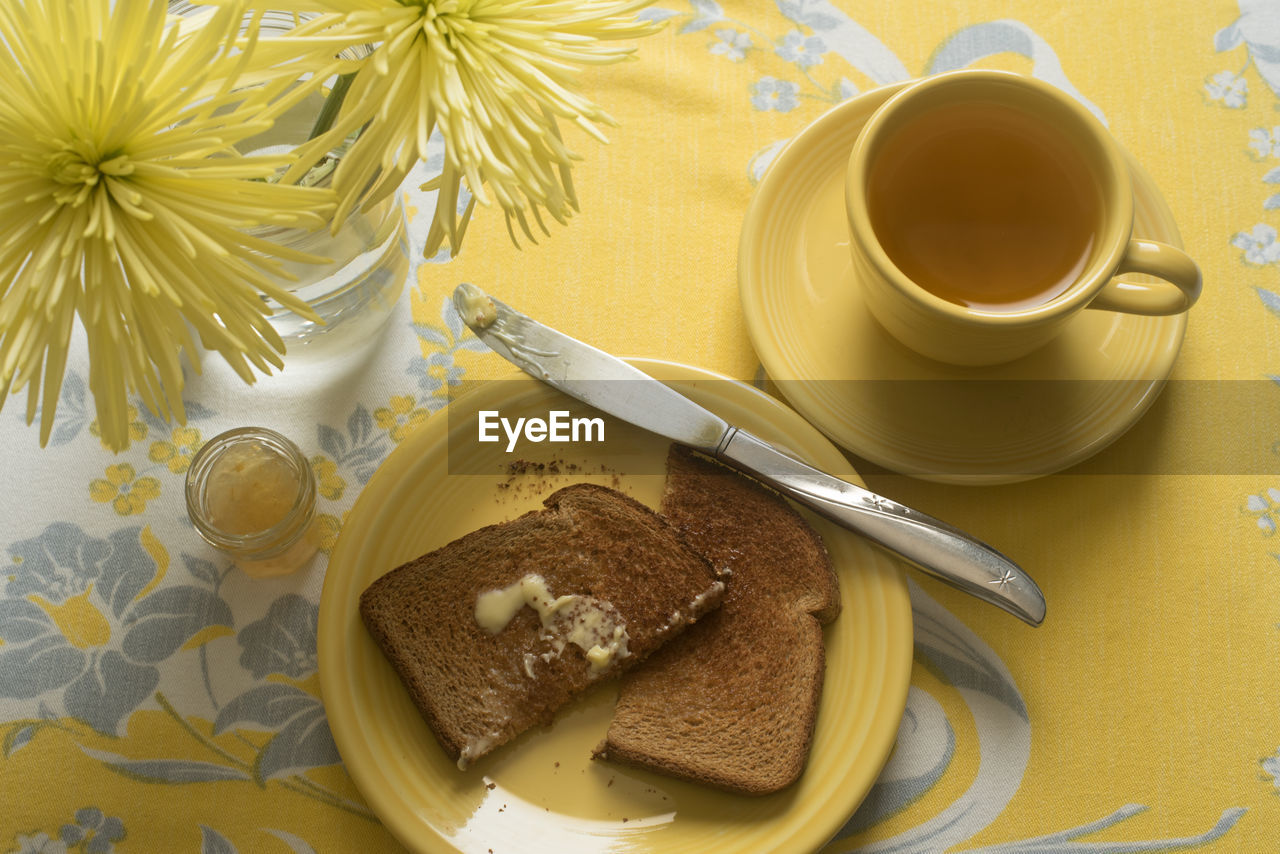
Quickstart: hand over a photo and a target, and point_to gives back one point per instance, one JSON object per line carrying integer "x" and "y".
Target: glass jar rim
{"x": 271, "y": 541}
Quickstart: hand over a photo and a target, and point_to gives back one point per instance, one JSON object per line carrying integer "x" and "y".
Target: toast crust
{"x": 477, "y": 689}
{"x": 733, "y": 702}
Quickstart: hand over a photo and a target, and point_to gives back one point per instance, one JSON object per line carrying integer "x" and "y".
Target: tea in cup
{"x": 987, "y": 208}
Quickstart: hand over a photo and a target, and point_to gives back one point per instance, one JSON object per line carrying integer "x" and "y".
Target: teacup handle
{"x": 1177, "y": 293}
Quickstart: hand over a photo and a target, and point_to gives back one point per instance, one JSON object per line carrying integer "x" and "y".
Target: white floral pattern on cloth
{"x": 90, "y": 831}
{"x": 731, "y": 44}
{"x": 927, "y": 745}
{"x": 1259, "y": 245}
{"x": 1266, "y": 508}
{"x": 770, "y": 93}
{"x": 1228, "y": 88}
{"x": 1257, "y": 31}
{"x": 818, "y": 30}
{"x": 1271, "y": 767}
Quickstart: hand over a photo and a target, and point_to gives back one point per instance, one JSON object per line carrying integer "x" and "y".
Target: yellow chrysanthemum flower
{"x": 126, "y": 204}
{"x": 136, "y": 427}
{"x": 492, "y": 76}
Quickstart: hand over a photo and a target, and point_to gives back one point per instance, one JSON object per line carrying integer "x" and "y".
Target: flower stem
{"x": 199, "y": 736}
{"x": 305, "y": 786}
{"x": 332, "y": 104}
{"x": 298, "y": 784}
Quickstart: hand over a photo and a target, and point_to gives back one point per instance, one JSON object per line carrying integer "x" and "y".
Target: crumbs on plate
{"x": 530, "y": 477}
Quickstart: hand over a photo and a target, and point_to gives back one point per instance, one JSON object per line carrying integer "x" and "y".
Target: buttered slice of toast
{"x": 732, "y": 702}
{"x": 494, "y": 632}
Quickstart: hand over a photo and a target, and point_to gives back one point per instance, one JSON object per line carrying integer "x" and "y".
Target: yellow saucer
{"x": 883, "y": 402}
{"x": 543, "y": 792}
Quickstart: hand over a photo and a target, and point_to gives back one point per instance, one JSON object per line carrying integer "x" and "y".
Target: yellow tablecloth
{"x": 153, "y": 699}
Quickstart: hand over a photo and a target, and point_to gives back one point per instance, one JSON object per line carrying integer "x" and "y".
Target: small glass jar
{"x": 252, "y": 494}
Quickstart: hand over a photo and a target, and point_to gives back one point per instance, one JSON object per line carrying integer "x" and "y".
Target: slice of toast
{"x": 494, "y": 632}
{"x": 732, "y": 702}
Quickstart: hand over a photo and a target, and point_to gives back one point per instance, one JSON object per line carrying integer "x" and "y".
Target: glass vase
{"x": 355, "y": 290}
{"x": 368, "y": 257}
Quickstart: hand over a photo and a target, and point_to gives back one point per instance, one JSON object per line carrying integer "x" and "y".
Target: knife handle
{"x": 935, "y": 547}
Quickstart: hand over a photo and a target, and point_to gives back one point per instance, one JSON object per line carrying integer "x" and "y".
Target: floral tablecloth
{"x": 153, "y": 698}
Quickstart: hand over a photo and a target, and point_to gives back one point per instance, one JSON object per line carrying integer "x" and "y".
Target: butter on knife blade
{"x": 585, "y": 373}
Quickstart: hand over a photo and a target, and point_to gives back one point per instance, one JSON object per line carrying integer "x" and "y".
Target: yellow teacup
{"x": 987, "y": 208}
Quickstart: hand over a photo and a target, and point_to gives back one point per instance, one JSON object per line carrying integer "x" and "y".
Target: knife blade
{"x": 596, "y": 378}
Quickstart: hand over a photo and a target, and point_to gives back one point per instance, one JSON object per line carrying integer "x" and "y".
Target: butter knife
{"x": 595, "y": 378}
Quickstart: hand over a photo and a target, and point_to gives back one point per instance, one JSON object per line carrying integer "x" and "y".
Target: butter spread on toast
{"x": 591, "y": 624}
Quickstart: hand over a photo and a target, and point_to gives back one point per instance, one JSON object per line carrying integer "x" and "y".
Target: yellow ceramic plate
{"x": 873, "y": 396}
{"x": 543, "y": 793}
